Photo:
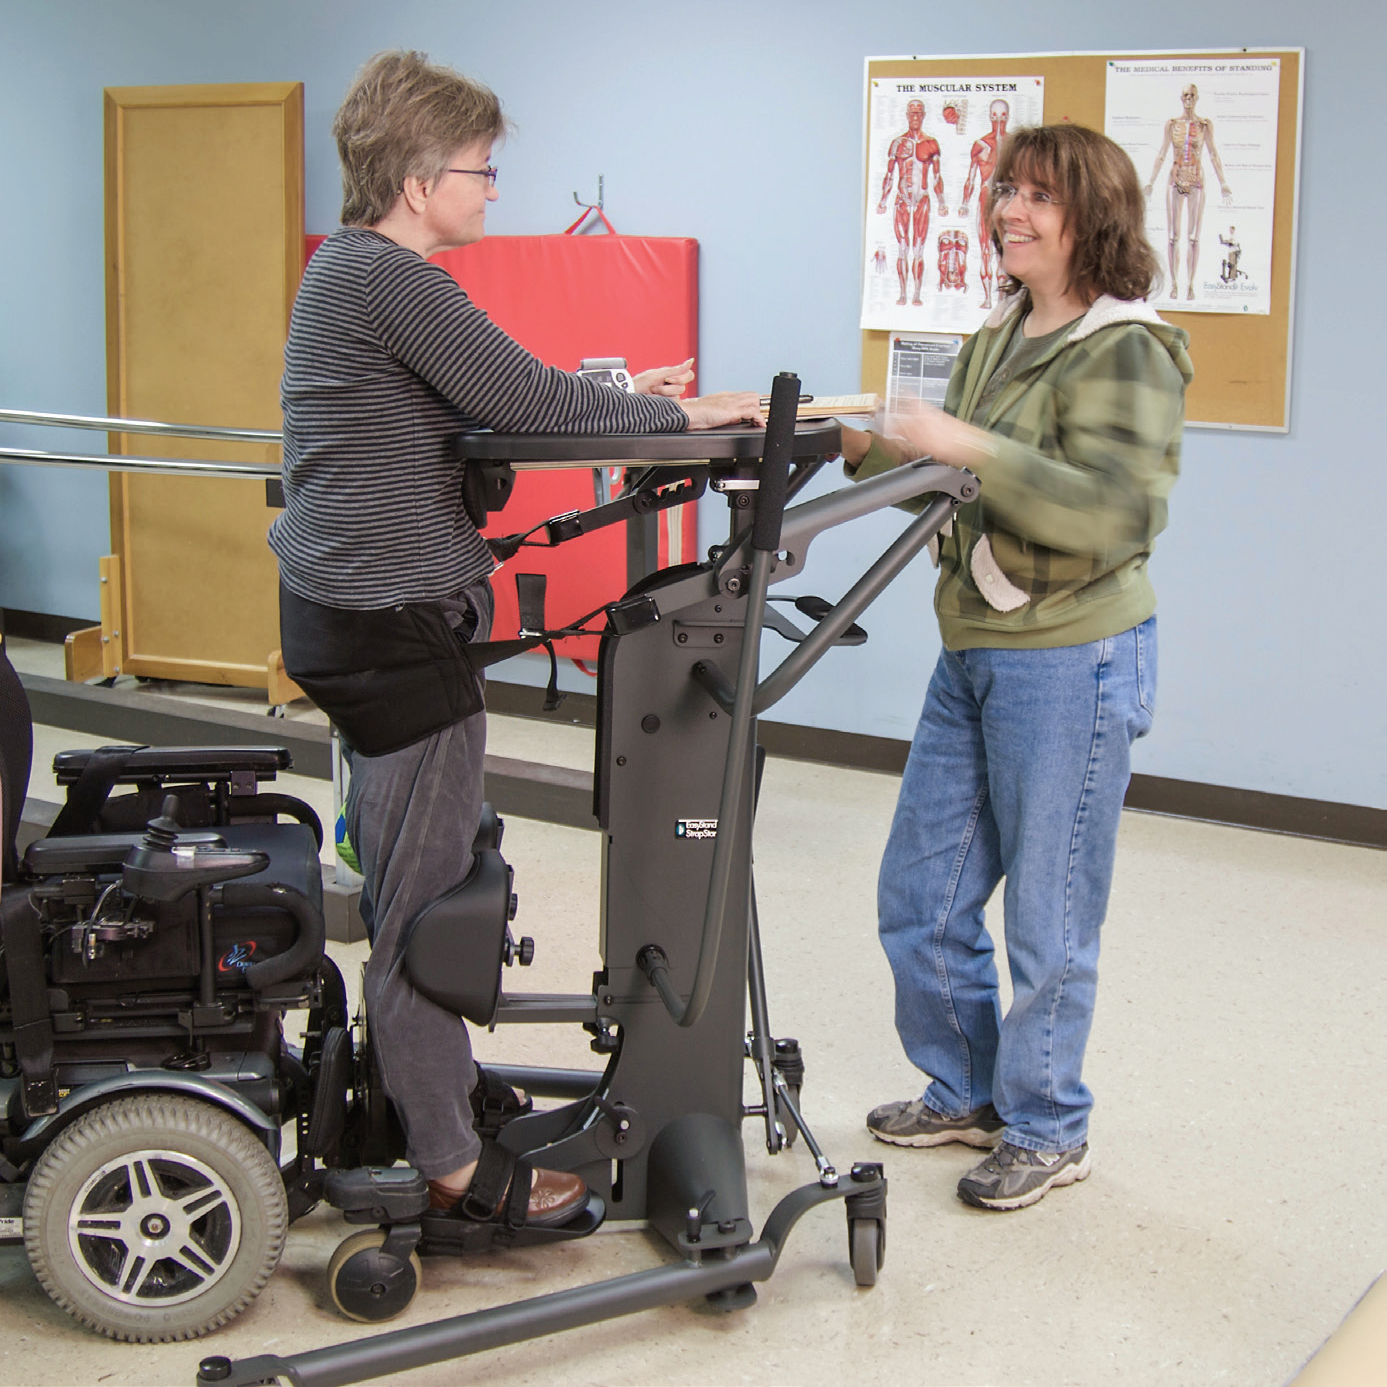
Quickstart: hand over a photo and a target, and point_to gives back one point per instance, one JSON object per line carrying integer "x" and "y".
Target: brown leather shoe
{"x": 555, "y": 1197}
{"x": 441, "y": 1197}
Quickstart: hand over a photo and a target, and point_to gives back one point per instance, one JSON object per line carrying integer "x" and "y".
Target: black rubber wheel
{"x": 155, "y": 1218}
{"x": 368, "y": 1287}
{"x": 866, "y": 1249}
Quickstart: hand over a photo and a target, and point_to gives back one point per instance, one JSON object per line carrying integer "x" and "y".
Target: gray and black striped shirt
{"x": 387, "y": 361}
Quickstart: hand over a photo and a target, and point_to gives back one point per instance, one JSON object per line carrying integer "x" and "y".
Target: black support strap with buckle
{"x": 500, "y": 1188}
{"x": 29, "y": 1010}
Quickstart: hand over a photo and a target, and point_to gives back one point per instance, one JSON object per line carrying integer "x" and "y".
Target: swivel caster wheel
{"x": 368, "y": 1284}
{"x": 866, "y": 1249}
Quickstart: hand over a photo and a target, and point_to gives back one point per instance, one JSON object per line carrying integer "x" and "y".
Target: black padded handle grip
{"x": 775, "y": 463}
{"x": 307, "y": 947}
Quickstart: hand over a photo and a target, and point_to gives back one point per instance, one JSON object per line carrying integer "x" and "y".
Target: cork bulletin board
{"x": 1242, "y": 363}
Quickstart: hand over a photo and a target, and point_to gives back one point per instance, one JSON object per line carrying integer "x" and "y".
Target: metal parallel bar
{"x": 111, "y": 425}
{"x": 119, "y": 462}
{"x": 116, "y": 462}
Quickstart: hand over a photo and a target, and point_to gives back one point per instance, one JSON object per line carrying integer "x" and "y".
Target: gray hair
{"x": 405, "y": 117}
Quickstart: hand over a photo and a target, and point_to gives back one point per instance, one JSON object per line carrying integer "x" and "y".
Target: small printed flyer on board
{"x": 928, "y": 260}
{"x": 1202, "y": 133}
{"x": 919, "y": 368}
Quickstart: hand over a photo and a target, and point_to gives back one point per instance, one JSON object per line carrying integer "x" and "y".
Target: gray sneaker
{"x": 1014, "y": 1178}
{"x": 914, "y": 1123}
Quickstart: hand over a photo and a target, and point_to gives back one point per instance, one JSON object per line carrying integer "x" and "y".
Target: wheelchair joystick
{"x": 163, "y": 869}
{"x": 162, "y": 833}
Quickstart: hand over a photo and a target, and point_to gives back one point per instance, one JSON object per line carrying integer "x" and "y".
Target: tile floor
{"x": 1233, "y": 1217}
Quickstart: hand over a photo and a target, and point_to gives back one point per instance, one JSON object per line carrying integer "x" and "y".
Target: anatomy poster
{"x": 929, "y": 264}
{"x": 1202, "y": 134}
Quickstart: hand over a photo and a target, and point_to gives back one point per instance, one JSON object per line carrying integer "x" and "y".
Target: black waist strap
{"x": 386, "y": 677}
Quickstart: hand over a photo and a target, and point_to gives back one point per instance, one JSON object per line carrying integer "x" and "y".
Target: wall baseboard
{"x": 42, "y": 626}
{"x": 556, "y": 795}
{"x": 1225, "y": 804}
{"x": 1182, "y": 799}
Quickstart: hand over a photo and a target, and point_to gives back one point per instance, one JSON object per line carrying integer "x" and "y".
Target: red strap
{"x": 587, "y": 211}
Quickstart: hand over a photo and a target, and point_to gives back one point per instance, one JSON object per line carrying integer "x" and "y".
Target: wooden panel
{"x": 204, "y": 240}
{"x": 112, "y": 618}
{"x": 82, "y": 655}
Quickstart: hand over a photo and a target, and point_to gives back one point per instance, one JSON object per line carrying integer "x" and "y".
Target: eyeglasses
{"x": 1003, "y": 193}
{"x": 489, "y": 173}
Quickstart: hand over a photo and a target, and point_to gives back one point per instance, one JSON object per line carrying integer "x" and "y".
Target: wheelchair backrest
{"x": 16, "y": 756}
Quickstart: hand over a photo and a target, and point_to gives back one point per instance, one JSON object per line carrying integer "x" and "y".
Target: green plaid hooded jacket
{"x": 1055, "y": 550}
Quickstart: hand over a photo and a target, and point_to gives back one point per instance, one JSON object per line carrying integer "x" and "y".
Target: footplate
{"x": 377, "y": 1194}
{"x": 447, "y": 1234}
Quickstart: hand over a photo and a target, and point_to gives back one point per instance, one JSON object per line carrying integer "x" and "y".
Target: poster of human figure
{"x": 1202, "y": 134}
{"x": 928, "y": 263}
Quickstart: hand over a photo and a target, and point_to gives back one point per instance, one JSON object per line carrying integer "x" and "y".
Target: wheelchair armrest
{"x": 201, "y": 763}
{"x": 306, "y": 950}
{"x": 156, "y": 872}
{"x": 88, "y": 854}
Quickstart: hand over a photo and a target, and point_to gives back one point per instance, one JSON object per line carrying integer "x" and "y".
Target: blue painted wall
{"x": 741, "y": 124}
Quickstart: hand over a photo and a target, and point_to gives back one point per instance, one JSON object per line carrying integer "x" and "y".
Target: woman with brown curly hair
{"x": 1068, "y": 404}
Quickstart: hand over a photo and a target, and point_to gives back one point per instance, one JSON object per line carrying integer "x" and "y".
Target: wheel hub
{"x": 154, "y": 1228}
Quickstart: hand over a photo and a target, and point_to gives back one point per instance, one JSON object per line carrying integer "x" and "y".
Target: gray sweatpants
{"x": 412, "y": 816}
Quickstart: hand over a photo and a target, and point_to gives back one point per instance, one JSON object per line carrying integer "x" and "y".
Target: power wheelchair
{"x": 152, "y": 944}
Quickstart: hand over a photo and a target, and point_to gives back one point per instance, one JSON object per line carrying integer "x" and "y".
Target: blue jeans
{"x": 1018, "y": 770}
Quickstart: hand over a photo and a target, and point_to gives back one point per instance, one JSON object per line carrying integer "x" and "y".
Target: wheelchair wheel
{"x": 154, "y": 1218}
